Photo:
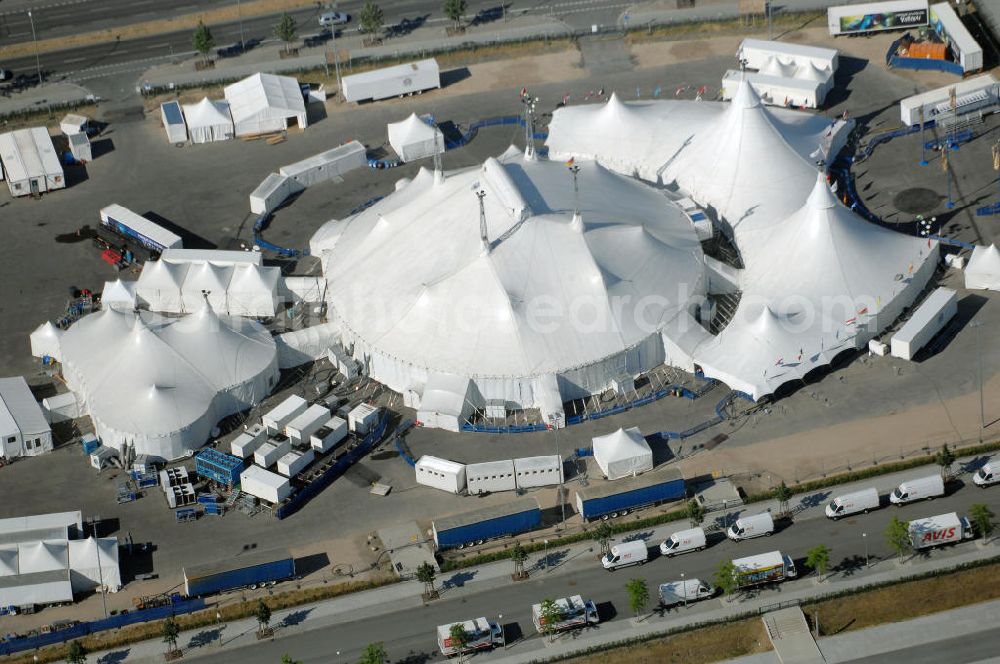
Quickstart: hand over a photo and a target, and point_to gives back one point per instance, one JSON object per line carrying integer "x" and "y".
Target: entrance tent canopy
{"x": 208, "y": 121}
{"x": 119, "y": 293}
{"x": 236, "y": 288}
{"x": 623, "y": 453}
{"x": 983, "y": 270}
{"x": 817, "y": 280}
{"x": 415, "y": 138}
{"x": 45, "y": 341}
{"x": 264, "y": 103}
{"x": 446, "y": 402}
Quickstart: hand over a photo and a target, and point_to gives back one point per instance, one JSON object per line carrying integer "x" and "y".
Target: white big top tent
{"x": 622, "y": 453}
{"x": 414, "y": 138}
{"x": 208, "y": 121}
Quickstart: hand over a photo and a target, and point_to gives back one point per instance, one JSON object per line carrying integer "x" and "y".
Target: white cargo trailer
{"x": 970, "y": 94}
{"x": 294, "y": 463}
{"x": 393, "y": 81}
{"x": 149, "y": 233}
{"x": 490, "y": 476}
{"x": 306, "y": 424}
{"x": 362, "y": 418}
{"x": 952, "y": 31}
{"x": 876, "y": 17}
{"x": 264, "y": 484}
{"x": 929, "y": 319}
{"x": 440, "y": 473}
{"x": 538, "y": 471}
{"x": 327, "y": 436}
{"x": 268, "y": 454}
{"x": 247, "y": 442}
{"x": 326, "y": 165}
{"x": 272, "y": 192}
{"x": 276, "y": 419}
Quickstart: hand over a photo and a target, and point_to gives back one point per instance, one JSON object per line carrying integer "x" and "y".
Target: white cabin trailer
{"x": 362, "y": 418}
{"x": 397, "y": 81}
{"x": 440, "y": 473}
{"x": 173, "y": 122}
{"x": 970, "y": 94}
{"x": 326, "y": 165}
{"x": 30, "y": 163}
{"x": 538, "y": 471}
{"x": 294, "y": 463}
{"x": 305, "y": 424}
{"x": 73, "y": 124}
{"x": 264, "y": 484}
{"x": 268, "y": 454}
{"x": 272, "y": 192}
{"x": 24, "y": 431}
{"x": 79, "y": 146}
{"x": 930, "y": 318}
{"x": 490, "y": 476}
{"x": 247, "y": 442}
{"x": 279, "y": 416}
{"x": 333, "y": 431}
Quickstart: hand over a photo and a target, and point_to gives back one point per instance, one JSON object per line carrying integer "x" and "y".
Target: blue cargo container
{"x": 245, "y": 570}
{"x": 470, "y": 528}
{"x": 217, "y": 467}
{"x": 619, "y": 497}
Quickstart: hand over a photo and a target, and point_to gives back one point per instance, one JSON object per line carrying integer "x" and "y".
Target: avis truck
{"x": 937, "y": 530}
{"x": 620, "y": 497}
{"x": 481, "y": 634}
{"x": 772, "y": 567}
{"x": 574, "y": 612}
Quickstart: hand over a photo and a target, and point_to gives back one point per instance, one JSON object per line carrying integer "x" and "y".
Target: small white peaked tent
{"x": 206, "y": 281}
{"x": 264, "y": 103}
{"x": 94, "y": 564}
{"x": 983, "y": 270}
{"x": 623, "y": 453}
{"x": 118, "y": 293}
{"x": 208, "y": 121}
{"x": 159, "y": 285}
{"x": 253, "y": 291}
{"x": 446, "y": 402}
{"x": 45, "y": 341}
{"x": 415, "y": 138}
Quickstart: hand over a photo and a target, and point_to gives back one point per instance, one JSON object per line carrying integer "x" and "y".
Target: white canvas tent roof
{"x": 42, "y": 556}
{"x": 8, "y": 560}
{"x": 253, "y": 291}
{"x": 45, "y": 341}
{"x": 206, "y": 281}
{"x": 159, "y": 285}
{"x": 119, "y": 293}
{"x": 622, "y": 453}
{"x": 983, "y": 270}
{"x": 265, "y": 102}
{"x": 208, "y": 120}
{"x": 446, "y": 402}
{"x": 92, "y": 567}
{"x": 415, "y": 138}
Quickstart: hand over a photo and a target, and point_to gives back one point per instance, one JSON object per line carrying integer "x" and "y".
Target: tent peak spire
{"x": 821, "y": 198}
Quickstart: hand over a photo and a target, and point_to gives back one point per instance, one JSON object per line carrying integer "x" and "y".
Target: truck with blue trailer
{"x": 619, "y": 497}
{"x": 248, "y": 570}
{"x": 472, "y": 528}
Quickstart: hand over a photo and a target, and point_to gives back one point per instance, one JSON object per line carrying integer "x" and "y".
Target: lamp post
{"x": 34, "y": 41}
{"x": 100, "y": 570}
{"x": 239, "y": 14}
{"x": 545, "y": 549}
{"x": 864, "y": 536}
{"x": 562, "y": 498}
{"x": 684, "y": 590}
{"x": 979, "y": 358}
{"x": 503, "y": 634}
{"x": 218, "y": 622}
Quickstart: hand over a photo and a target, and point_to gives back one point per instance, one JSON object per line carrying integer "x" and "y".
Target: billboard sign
{"x": 878, "y": 21}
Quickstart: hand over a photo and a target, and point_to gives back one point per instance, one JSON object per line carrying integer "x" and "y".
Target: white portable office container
{"x": 30, "y": 163}
{"x": 294, "y": 463}
{"x": 272, "y": 192}
{"x": 264, "y": 484}
{"x": 853, "y": 503}
{"x": 326, "y": 165}
{"x": 268, "y": 454}
{"x": 748, "y": 527}
{"x": 929, "y": 319}
{"x": 440, "y": 473}
{"x": 173, "y": 122}
{"x": 247, "y": 442}
{"x": 276, "y": 419}
{"x": 970, "y": 94}
{"x": 306, "y": 424}
{"x": 73, "y": 124}
{"x": 952, "y": 31}
{"x": 876, "y": 17}
{"x": 923, "y": 488}
{"x": 392, "y": 81}
{"x": 490, "y": 476}
{"x": 538, "y": 471}
{"x": 79, "y": 145}
{"x": 327, "y": 436}
{"x": 362, "y": 418}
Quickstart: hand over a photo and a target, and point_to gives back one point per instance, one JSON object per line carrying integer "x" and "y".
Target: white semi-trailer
{"x": 413, "y": 77}
{"x": 876, "y": 17}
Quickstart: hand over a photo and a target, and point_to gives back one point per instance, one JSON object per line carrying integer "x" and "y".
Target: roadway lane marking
{"x": 69, "y": 60}
{"x": 158, "y": 45}
{"x": 67, "y": 3}
{"x": 19, "y": 34}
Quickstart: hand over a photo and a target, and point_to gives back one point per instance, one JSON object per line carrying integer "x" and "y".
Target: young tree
{"x": 170, "y": 631}
{"x": 286, "y": 30}
{"x": 945, "y": 458}
{"x": 550, "y": 615}
{"x": 725, "y": 578}
{"x": 426, "y": 574}
{"x": 603, "y": 535}
{"x": 374, "y": 653}
{"x": 459, "y": 639}
{"x": 287, "y": 659}
{"x": 982, "y": 520}
{"x": 202, "y": 40}
{"x": 76, "y": 654}
{"x": 638, "y": 595}
{"x": 782, "y": 494}
{"x": 455, "y": 10}
{"x": 695, "y": 512}
{"x": 263, "y": 615}
{"x": 371, "y": 18}
{"x": 897, "y": 534}
{"x": 818, "y": 558}
{"x": 519, "y": 556}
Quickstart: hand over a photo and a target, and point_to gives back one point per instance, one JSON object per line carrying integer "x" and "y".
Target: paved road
{"x": 967, "y": 649}
{"x": 409, "y": 632}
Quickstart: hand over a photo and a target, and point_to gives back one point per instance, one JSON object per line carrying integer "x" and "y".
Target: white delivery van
{"x": 748, "y": 527}
{"x": 924, "y": 488}
{"x": 683, "y": 541}
{"x": 682, "y": 592}
{"x": 625, "y": 554}
{"x": 853, "y": 503}
{"x": 988, "y": 475}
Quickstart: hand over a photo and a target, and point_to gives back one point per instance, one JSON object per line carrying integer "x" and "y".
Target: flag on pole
{"x": 850, "y": 321}
{"x": 524, "y": 92}
{"x": 800, "y": 355}
{"x": 928, "y": 243}
{"x": 878, "y": 301}
{"x": 910, "y": 270}
{"x": 570, "y": 162}
{"x": 780, "y": 361}
{"x": 944, "y": 159}
{"x": 863, "y": 311}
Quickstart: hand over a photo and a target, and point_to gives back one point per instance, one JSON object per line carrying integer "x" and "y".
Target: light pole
{"x": 545, "y": 549}
{"x": 503, "y": 634}
{"x": 979, "y": 357}
{"x": 864, "y": 536}
{"x": 218, "y": 628}
{"x": 100, "y": 571}
{"x": 239, "y": 13}
{"x": 562, "y": 498}
{"x": 34, "y": 41}
{"x": 684, "y": 590}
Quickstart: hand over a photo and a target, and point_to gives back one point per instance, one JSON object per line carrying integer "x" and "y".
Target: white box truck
{"x": 930, "y": 318}
{"x": 574, "y": 613}
{"x": 749, "y": 527}
{"x": 692, "y": 539}
{"x": 481, "y": 634}
{"x": 988, "y": 475}
{"x": 937, "y": 530}
{"x": 771, "y": 567}
{"x": 675, "y": 593}
{"x": 923, "y": 488}
{"x": 876, "y": 17}
{"x": 853, "y": 503}
{"x": 406, "y": 79}
{"x": 626, "y": 554}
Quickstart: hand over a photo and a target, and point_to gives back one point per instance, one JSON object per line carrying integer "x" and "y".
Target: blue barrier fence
{"x": 927, "y": 64}
{"x": 953, "y": 242}
{"x": 113, "y": 622}
{"x": 258, "y": 225}
{"x": 403, "y": 454}
{"x": 953, "y": 141}
{"x": 988, "y": 210}
{"x": 470, "y": 133}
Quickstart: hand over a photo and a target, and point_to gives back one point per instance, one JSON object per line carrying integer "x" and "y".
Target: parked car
{"x": 334, "y": 18}
{"x": 6, "y": 74}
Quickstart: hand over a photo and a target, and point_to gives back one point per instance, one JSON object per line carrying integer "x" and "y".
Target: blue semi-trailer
{"x": 619, "y": 497}
{"x": 471, "y": 528}
{"x": 243, "y": 571}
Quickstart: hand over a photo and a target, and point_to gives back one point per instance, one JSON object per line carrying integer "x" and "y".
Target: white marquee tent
{"x": 447, "y": 402}
{"x": 208, "y": 121}
{"x": 94, "y": 564}
{"x": 118, "y": 293}
{"x": 159, "y": 286}
{"x": 983, "y": 270}
{"x": 415, "y": 138}
{"x": 252, "y": 291}
{"x": 622, "y": 453}
{"x": 45, "y": 341}
{"x": 264, "y": 103}
{"x": 206, "y": 281}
